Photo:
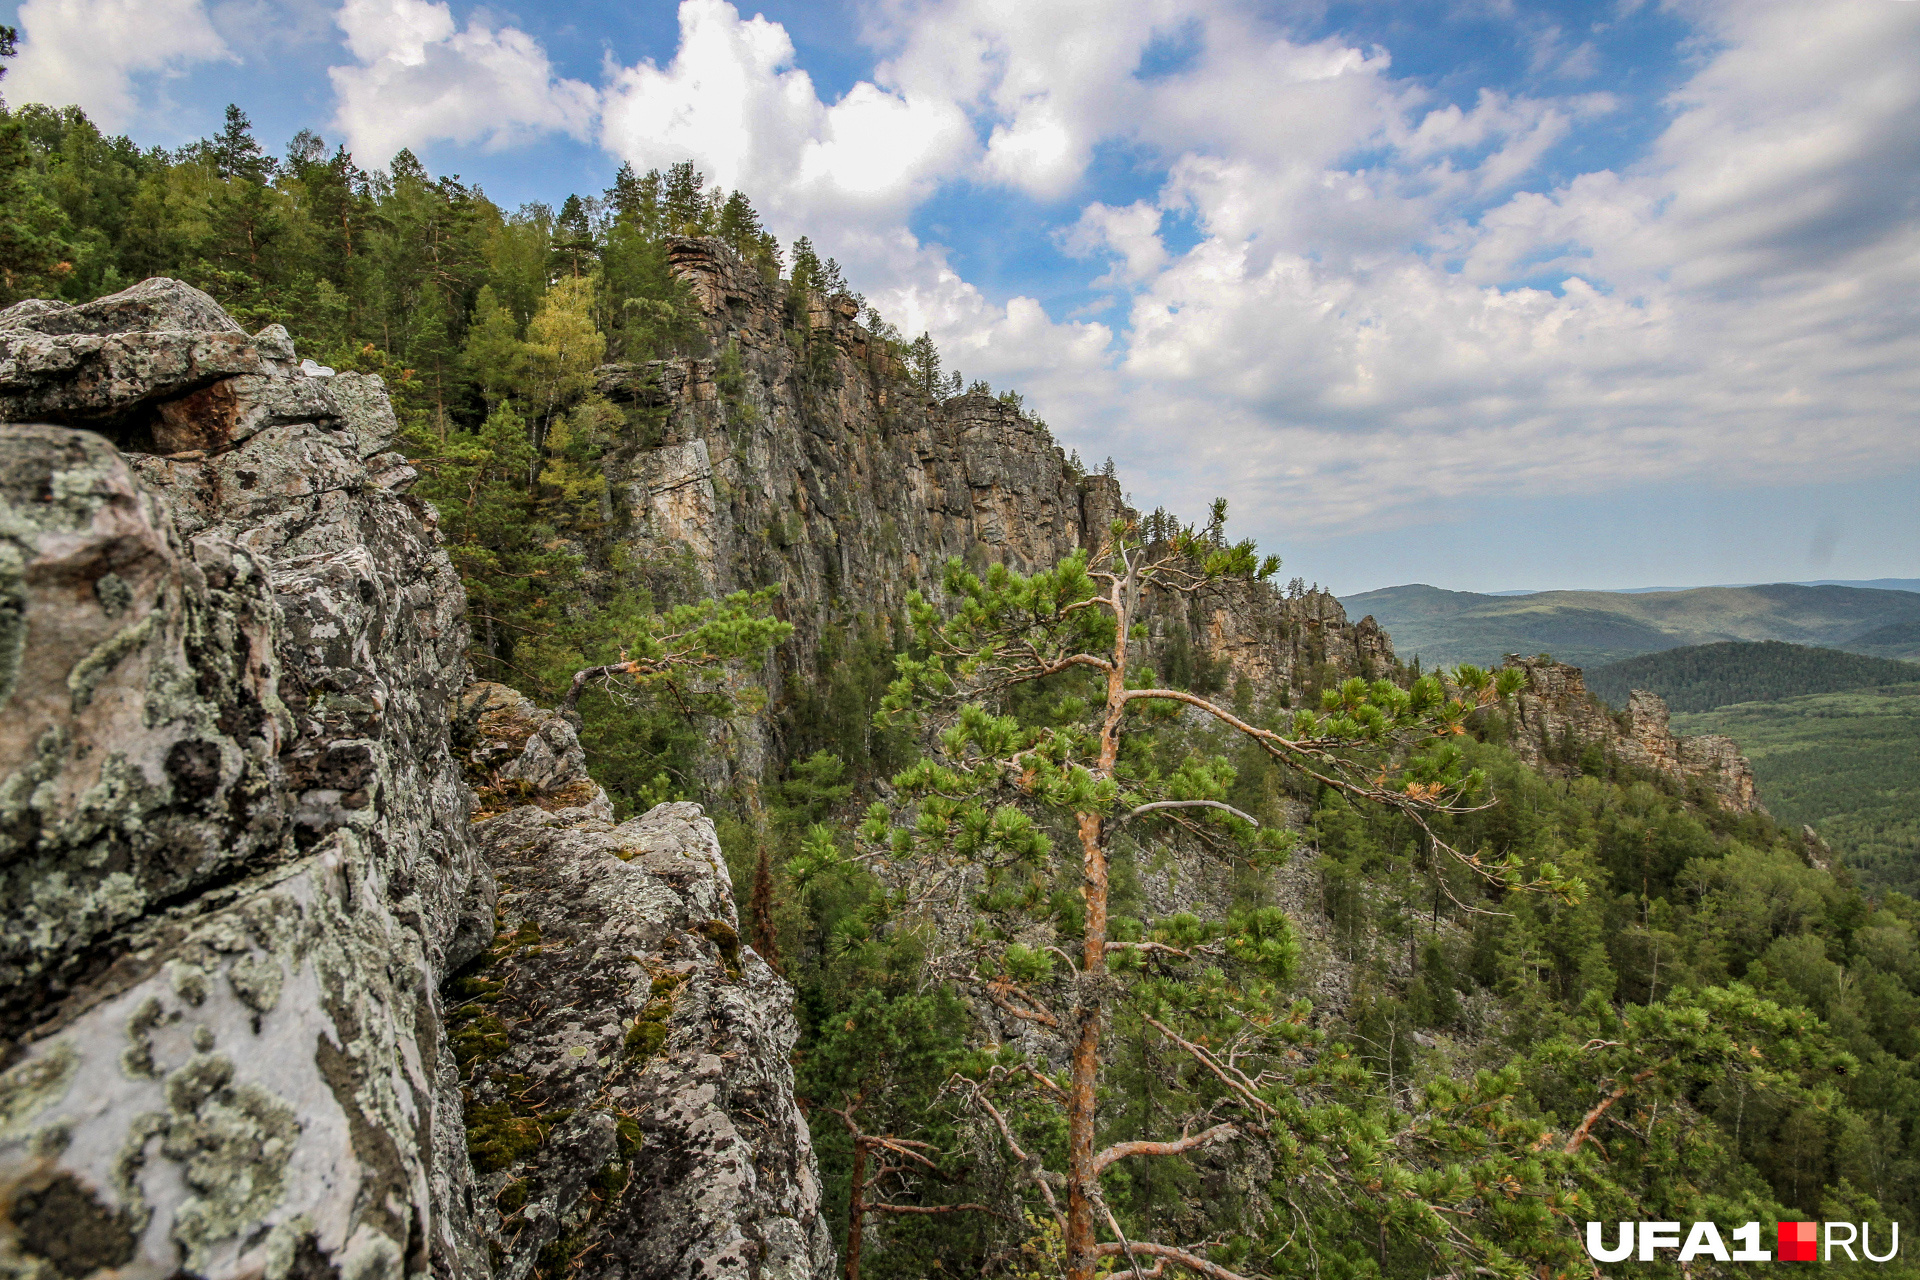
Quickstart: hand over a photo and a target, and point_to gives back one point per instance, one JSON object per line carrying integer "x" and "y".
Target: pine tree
{"x": 923, "y": 363}
{"x": 740, "y": 227}
{"x": 807, "y": 275}
{"x": 575, "y": 248}
{"x": 995, "y": 786}
{"x": 235, "y": 153}
{"x": 684, "y": 208}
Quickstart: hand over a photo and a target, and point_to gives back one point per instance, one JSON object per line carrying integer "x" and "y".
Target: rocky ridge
{"x": 1556, "y": 720}
{"x": 801, "y": 454}
{"x": 235, "y": 848}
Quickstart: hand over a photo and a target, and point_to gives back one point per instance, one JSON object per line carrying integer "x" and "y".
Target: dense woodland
{"x": 1704, "y": 676}
{"x": 1427, "y": 1070}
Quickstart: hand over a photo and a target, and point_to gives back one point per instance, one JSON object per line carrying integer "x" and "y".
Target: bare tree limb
{"x": 1584, "y": 1132}
{"x": 1030, "y": 1165}
{"x": 1038, "y": 1015}
{"x": 1121, "y": 1150}
{"x": 1184, "y": 804}
{"x": 1240, "y": 1086}
{"x": 1191, "y": 1261}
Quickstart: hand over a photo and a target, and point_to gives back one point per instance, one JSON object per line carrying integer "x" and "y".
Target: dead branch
{"x": 1184, "y": 804}
{"x": 1191, "y": 1261}
{"x": 1038, "y": 1015}
{"x": 1029, "y": 1165}
{"x": 1240, "y": 1086}
{"x": 1121, "y": 1150}
{"x": 1584, "y": 1132}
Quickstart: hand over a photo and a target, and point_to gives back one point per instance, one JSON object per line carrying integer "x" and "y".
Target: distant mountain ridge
{"x": 1593, "y": 628}
{"x": 1878, "y": 584}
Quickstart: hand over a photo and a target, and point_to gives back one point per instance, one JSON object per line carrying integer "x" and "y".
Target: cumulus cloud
{"x": 420, "y": 77}
{"x": 93, "y": 53}
{"x": 1354, "y": 342}
{"x": 732, "y": 101}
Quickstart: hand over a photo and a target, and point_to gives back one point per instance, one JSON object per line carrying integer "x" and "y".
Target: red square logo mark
{"x": 1799, "y": 1241}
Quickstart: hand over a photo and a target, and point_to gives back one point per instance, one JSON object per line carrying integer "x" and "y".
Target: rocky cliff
{"x": 236, "y": 856}
{"x": 801, "y": 454}
{"x": 1557, "y": 722}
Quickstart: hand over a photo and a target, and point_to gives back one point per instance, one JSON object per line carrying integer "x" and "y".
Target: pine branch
{"x": 1121, "y": 1150}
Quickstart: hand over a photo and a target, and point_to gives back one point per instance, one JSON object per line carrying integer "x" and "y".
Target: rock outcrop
{"x": 1557, "y": 722}
{"x": 625, "y": 1056}
{"x": 800, "y": 453}
{"x": 234, "y": 832}
{"x": 235, "y": 851}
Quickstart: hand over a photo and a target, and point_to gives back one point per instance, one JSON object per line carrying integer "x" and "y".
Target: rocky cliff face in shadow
{"x": 235, "y": 850}
{"x": 1557, "y": 720}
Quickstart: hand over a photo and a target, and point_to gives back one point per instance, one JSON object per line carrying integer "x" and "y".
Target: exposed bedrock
{"x": 630, "y": 1101}
{"x": 800, "y": 453}
{"x": 234, "y": 842}
{"x": 1557, "y": 720}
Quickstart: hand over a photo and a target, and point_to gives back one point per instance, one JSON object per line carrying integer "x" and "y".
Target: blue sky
{"x": 1486, "y": 294}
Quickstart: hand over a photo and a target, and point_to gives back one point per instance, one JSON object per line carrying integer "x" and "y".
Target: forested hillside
{"x": 1372, "y": 998}
{"x": 1701, "y": 677}
{"x": 1846, "y": 764}
{"x": 1834, "y": 737}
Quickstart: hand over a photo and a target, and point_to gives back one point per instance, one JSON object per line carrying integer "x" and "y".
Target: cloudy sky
{"x": 1489, "y": 294}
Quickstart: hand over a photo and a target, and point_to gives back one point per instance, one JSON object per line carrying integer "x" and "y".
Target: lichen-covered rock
{"x": 1557, "y": 721}
{"x": 140, "y": 717}
{"x": 629, "y": 1103}
{"x": 234, "y": 845}
{"x": 515, "y": 752}
{"x": 232, "y": 829}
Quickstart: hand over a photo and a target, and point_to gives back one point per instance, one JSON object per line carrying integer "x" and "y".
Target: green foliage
{"x": 1842, "y": 763}
{"x": 1702, "y": 677}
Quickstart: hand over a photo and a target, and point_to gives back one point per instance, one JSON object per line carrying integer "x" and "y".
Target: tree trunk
{"x": 856, "y": 1208}
{"x": 1082, "y": 1096}
{"x": 1091, "y": 999}
{"x": 760, "y": 907}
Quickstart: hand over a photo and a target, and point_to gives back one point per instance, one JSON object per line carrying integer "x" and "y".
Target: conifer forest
{"x": 1110, "y": 955}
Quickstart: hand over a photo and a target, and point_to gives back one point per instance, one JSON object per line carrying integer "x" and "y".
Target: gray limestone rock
{"x": 232, "y": 830}
{"x": 1555, "y": 716}
{"x": 799, "y": 452}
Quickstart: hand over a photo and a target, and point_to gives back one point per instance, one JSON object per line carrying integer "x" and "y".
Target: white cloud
{"x": 421, "y": 78}
{"x": 1132, "y": 233}
{"x": 90, "y": 52}
{"x": 1348, "y": 345}
{"x": 732, "y": 102}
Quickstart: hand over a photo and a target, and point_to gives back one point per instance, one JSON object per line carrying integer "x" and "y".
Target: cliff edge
{"x": 1557, "y": 721}
{"x": 235, "y": 848}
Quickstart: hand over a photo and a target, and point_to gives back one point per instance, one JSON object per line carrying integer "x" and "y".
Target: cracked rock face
{"x": 232, "y": 832}
{"x": 813, "y": 462}
{"x": 629, "y": 1102}
{"x": 234, "y": 844}
{"x": 1555, "y": 713}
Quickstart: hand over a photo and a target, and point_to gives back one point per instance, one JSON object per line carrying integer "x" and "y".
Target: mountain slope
{"x": 1592, "y": 628}
{"x": 1842, "y": 763}
{"x": 1701, "y": 677}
